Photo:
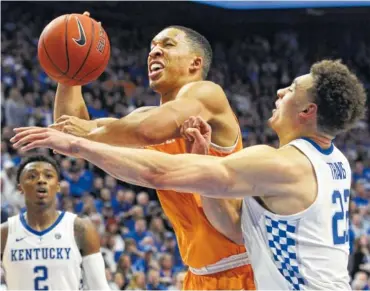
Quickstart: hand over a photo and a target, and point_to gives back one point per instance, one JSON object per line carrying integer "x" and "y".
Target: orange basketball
{"x": 73, "y": 49}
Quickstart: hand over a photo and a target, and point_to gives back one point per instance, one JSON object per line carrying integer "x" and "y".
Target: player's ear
{"x": 308, "y": 112}
{"x": 196, "y": 64}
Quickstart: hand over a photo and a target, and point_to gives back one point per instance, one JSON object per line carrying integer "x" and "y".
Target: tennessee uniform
{"x": 215, "y": 262}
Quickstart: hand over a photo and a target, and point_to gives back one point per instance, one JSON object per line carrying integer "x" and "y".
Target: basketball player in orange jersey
{"x": 178, "y": 63}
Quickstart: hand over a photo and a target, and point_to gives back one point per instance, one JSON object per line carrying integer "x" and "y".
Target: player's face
{"x": 169, "y": 60}
{"x": 291, "y": 102}
{"x": 39, "y": 182}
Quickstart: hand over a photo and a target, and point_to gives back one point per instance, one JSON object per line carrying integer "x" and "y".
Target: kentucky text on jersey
{"x": 40, "y": 254}
{"x": 337, "y": 170}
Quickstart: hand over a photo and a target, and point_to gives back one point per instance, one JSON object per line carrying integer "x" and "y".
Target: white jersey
{"x": 42, "y": 260}
{"x": 310, "y": 249}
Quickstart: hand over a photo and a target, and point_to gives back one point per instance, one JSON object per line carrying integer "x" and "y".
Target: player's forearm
{"x": 105, "y": 121}
{"x": 69, "y": 101}
{"x": 187, "y": 173}
{"x": 135, "y": 130}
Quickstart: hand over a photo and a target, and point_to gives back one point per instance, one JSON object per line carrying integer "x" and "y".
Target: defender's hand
{"x": 197, "y": 134}
{"x": 28, "y": 138}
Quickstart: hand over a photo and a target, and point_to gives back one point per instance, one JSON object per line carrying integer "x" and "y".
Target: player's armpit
{"x": 4, "y": 236}
{"x": 86, "y": 236}
{"x": 224, "y": 215}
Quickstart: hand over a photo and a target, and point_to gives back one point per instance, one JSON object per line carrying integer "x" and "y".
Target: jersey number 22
{"x": 340, "y": 216}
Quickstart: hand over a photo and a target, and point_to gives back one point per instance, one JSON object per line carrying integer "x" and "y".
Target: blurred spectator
{"x": 139, "y": 247}
{"x": 178, "y": 281}
{"x": 137, "y": 282}
{"x": 154, "y": 282}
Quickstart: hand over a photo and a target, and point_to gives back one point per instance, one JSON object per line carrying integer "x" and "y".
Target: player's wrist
{"x": 64, "y": 87}
{"x": 77, "y": 146}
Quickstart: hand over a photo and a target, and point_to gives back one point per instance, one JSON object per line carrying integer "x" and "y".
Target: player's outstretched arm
{"x": 81, "y": 127}
{"x": 254, "y": 171}
{"x": 93, "y": 265}
{"x": 162, "y": 123}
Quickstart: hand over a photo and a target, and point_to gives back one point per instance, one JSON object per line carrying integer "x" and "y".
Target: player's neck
{"x": 322, "y": 140}
{"x": 169, "y": 95}
{"x": 40, "y": 220}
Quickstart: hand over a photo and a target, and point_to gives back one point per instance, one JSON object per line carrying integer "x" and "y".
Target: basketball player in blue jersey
{"x": 294, "y": 218}
{"x": 42, "y": 248}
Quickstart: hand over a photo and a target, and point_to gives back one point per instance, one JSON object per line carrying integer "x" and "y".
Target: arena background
{"x": 255, "y": 53}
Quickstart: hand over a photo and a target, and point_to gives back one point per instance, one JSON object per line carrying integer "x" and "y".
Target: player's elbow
{"x": 216, "y": 180}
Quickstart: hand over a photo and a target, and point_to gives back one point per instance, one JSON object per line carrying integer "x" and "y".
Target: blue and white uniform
{"x": 42, "y": 260}
{"x": 310, "y": 249}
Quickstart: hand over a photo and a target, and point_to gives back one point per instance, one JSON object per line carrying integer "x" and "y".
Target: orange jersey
{"x": 199, "y": 243}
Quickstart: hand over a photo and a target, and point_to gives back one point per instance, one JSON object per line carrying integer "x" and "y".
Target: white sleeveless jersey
{"x": 307, "y": 250}
{"x": 42, "y": 260}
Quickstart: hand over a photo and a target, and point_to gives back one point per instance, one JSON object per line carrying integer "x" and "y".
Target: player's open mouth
{"x": 155, "y": 69}
{"x": 41, "y": 192}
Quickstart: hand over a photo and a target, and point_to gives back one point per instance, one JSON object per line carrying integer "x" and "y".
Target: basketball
{"x": 73, "y": 49}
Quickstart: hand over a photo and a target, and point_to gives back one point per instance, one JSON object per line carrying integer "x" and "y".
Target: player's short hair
{"x": 199, "y": 44}
{"x": 36, "y": 158}
{"x": 339, "y": 95}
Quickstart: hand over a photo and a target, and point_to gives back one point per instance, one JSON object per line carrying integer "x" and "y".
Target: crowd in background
{"x": 137, "y": 241}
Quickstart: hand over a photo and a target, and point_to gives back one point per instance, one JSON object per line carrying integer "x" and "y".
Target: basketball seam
{"x": 50, "y": 59}
{"x": 88, "y": 52}
{"x": 97, "y": 67}
{"x": 66, "y": 39}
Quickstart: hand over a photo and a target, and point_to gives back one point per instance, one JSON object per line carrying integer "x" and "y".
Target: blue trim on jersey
{"x": 43, "y": 232}
{"x": 327, "y": 151}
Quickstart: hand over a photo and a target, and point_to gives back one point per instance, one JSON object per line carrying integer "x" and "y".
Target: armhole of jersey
{"x": 314, "y": 204}
{"x": 226, "y": 150}
{"x": 302, "y": 214}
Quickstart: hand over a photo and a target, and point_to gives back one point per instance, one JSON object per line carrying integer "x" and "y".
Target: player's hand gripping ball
{"x": 74, "y": 49}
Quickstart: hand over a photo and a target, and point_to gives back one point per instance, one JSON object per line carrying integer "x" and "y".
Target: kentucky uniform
{"x": 42, "y": 260}
{"x": 307, "y": 250}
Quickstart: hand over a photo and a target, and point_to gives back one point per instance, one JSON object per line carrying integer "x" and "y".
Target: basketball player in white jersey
{"x": 294, "y": 218}
{"x": 44, "y": 249}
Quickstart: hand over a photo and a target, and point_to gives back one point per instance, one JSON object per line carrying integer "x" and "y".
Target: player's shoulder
{"x": 86, "y": 236}
{"x": 202, "y": 88}
{"x": 210, "y": 94}
{"x": 82, "y": 224}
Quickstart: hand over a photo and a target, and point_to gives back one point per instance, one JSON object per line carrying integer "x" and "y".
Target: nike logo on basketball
{"x": 82, "y": 40}
{"x": 19, "y": 239}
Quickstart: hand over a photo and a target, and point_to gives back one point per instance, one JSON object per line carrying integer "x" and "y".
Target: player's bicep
{"x": 165, "y": 121}
{"x": 87, "y": 238}
{"x": 259, "y": 171}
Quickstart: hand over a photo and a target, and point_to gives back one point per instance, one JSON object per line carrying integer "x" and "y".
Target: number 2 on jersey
{"x": 42, "y": 275}
{"x": 340, "y": 216}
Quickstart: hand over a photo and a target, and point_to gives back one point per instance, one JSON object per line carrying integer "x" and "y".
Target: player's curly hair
{"x": 36, "y": 158}
{"x": 200, "y": 44}
{"x": 339, "y": 95}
